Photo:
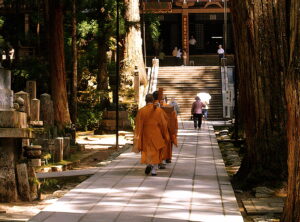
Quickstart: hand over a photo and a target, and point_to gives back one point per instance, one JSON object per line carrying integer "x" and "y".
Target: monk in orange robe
{"x": 171, "y": 116}
{"x": 151, "y": 134}
{"x": 173, "y": 129}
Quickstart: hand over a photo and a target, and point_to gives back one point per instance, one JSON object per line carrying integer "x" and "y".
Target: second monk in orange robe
{"x": 151, "y": 134}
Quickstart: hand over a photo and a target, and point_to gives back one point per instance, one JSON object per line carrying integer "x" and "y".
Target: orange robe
{"x": 172, "y": 129}
{"x": 151, "y": 133}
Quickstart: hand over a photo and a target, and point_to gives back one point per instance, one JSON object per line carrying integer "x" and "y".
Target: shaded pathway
{"x": 194, "y": 187}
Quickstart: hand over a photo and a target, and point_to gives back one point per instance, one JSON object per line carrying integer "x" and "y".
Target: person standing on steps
{"x": 175, "y": 105}
{"x": 174, "y": 55}
{"x": 178, "y": 57}
{"x": 151, "y": 135}
{"x": 184, "y": 57}
{"x": 220, "y": 53}
{"x": 192, "y": 43}
{"x": 197, "y": 112}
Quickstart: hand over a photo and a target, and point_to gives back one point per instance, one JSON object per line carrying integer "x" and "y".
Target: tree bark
{"x": 133, "y": 54}
{"x": 103, "y": 38}
{"x": 33, "y": 183}
{"x": 57, "y": 65}
{"x": 8, "y": 183}
{"x": 260, "y": 48}
{"x": 102, "y": 77}
{"x": 74, "y": 65}
{"x": 23, "y": 183}
{"x": 291, "y": 211}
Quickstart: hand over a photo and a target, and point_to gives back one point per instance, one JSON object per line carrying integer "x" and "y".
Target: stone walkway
{"x": 194, "y": 187}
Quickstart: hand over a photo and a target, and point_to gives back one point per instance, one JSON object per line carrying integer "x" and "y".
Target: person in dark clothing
{"x": 197, "y": 112}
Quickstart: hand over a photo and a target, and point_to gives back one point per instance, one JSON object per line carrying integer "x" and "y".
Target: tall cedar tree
{"x": 57, "y": 64}
{"x": 260, "y": 48}
{"x": 292, "y": 89}
{"x": 73, "y": 99}
{"x": 103, "y": 38}
{"x": 133, "y": 55}
{"x": 279, "y": 23}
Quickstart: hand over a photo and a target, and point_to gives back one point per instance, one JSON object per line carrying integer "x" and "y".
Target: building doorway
{"x": 208, "y": 31}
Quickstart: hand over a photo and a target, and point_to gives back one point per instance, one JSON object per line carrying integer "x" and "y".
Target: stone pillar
{"x": 7, "y": 171}
{"x": 31, "y": 89}
{"x": 35, "y": 110}
{"x": 25, "y": 143}
{"x": 23, "y": 183}
{"x": 25, "y": 97}
{"x": 185, "y": 33}
{"x": 34, "y": 186}
{"x": 47, "y": 110}
{"x": 136, "y": 85}
{"x": 6, "y": 94}
{"x": 26, "y": 24}
{"x": 33, "y": 154}
{"x": 66, "y": 151}
{"x": 58, "y": 149}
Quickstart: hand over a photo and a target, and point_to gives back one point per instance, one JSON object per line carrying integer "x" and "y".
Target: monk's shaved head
{"x": 149, "y": 98}
{"x": 155, "y": 95}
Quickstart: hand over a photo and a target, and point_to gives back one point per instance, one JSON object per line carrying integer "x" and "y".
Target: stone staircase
{"x": 184, "y": 82}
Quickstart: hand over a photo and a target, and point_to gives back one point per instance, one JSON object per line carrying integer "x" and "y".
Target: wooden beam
{"x": 213, "y": 3}
{"x": 184, "y": 5}
{"x": 191, "y": 10}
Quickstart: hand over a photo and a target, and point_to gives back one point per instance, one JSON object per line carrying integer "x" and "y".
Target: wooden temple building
{"x": 208, "y": 21}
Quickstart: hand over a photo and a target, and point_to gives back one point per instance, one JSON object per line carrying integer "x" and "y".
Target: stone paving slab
{"x": 69, "y": 173}
{"x": 194, "y": 187}
{"x": 259, "y": 206}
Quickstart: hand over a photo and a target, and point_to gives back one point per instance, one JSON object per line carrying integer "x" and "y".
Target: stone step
{"x": 189, "y": 74}
{"x": 189, "y": 67}
{"x": 185, "y": 79}
{"x": 192, "y": 94}
{"x": 183, "y": 84}
{"x": 190, "y": 86}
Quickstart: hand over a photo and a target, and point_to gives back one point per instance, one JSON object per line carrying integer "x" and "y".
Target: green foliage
{"x": 34, "y": 181}
{"x": 89, "y": 117}
{"x": 1, "y": 22}
{"x": 86, "y": 28}
{"x": 153, "y": 25}
{"x": 2, "y": 41}
{"x": 46, "y": 156}
{"x": 31, "y": 68}
{"x": 132, "y": 109}
{"x": 49, "y": 184}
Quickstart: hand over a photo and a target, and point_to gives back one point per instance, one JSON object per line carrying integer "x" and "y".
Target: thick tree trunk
{"x": 261, "y": 55}
{"x": 57, "y": 64}
{"x": 103, "y": 38}
{"x": 133, "y": 54}
{"x": 292, "y": 88}
{"x": 74, "y": 65}
{"x": 102, "y": 78}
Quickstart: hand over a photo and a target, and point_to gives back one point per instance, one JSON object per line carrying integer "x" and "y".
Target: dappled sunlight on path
{"x": 194, "y": 187}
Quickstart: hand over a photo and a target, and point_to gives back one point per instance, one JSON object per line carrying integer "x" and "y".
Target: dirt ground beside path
{"x": 232, "y": 156}
{"x": 56, "y": 188}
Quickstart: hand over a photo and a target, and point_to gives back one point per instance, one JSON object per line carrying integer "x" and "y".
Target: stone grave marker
{"x": 58, "y": 149}
{"x": 31, "y": 89}
{"x": 6, "y": 94}
{"x": 66, "y": 152}
{"x": 35, "y": 110}
{"x": 46, "y": 110}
